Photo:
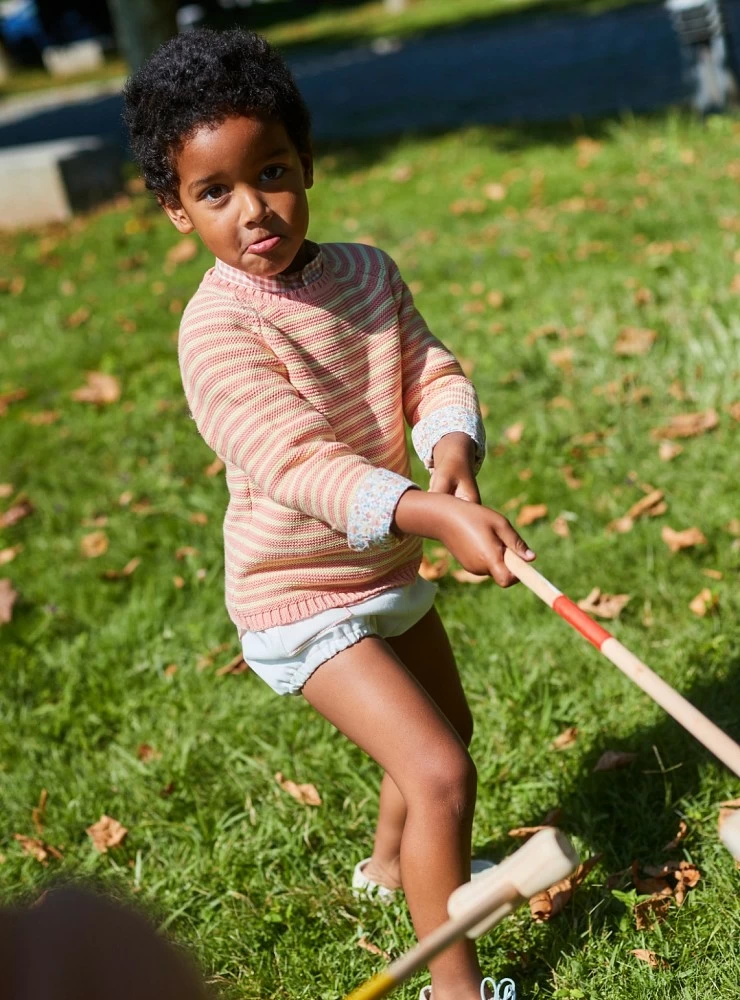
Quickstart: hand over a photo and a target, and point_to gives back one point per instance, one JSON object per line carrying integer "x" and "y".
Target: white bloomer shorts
{"x": 285, "y": 656}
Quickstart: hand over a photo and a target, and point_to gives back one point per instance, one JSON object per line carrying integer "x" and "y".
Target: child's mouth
{"x": 264, "y": 246}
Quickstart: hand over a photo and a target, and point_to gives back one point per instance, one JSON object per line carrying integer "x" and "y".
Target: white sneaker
{"x": 364, "y": 886}
{"x": 504, "y": 989}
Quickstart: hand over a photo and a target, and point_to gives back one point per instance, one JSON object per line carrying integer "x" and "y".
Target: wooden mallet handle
{"x": 702, "y": 728}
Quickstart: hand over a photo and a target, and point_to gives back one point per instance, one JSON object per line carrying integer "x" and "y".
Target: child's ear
{"x": 307, "y": 164}
{"x": 178, "y": 217}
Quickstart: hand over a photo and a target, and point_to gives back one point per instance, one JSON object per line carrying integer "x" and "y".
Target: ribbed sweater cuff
{"x": 447, "y": 420}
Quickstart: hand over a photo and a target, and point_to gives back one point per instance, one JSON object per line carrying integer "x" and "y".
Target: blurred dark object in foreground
{"x": 76, "y": 945}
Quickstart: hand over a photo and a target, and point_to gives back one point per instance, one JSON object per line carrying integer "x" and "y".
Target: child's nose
{"x": 254, "y": 209}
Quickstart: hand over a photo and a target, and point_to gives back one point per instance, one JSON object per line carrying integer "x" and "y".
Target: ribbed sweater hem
{"x": 298, "y": 609}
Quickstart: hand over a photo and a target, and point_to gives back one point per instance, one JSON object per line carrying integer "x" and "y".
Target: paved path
{"x": 530, "y": 69}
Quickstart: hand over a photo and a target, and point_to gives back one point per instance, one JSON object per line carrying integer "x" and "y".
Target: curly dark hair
{"x": 201, "y": 78}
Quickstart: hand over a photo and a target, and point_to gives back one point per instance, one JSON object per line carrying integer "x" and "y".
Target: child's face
{"x": 243, "y": 189}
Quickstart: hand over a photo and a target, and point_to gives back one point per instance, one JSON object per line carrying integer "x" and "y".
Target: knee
{"x": 449, "y": 781}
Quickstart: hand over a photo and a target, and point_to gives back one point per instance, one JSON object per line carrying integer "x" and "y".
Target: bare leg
{"x": 426, "y": 652}
{"x": 370, "y": 696}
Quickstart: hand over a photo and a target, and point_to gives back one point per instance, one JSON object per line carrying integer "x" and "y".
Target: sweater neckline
{"x": 281, "y": 284}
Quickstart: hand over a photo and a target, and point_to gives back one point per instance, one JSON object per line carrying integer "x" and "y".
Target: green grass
{"x": 256, "y": 884}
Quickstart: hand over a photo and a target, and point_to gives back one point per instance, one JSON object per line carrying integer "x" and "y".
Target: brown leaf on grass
{"x": 43, "y": 418}
{"x": 147, "y": 753}
{"x": 8, "y": 597}
{"x": 560, "y": 403}
{"x": 686, "y": 539}
{"x": 566, "y": 739}
{"x": 101, "y": 389}
{"x": 560, "y": 527}
{"x": 525, "y": 832}
{"x": 531, "y": 513}
{"x": 495, "y": 191}
{"x": 685, "y": 425}
{"x": 93, "y": 545}
{"x": 604, "y": 605}
{"x": 612, "y": 760}
{"x": 705, "y": 603}
{"x": 546, "y": 905}
{"x": 562, "y": 358}
{"x": 307, "y": 795}
{"x": 13, "y": 396}
{"x": 651, "y": 912}
{"x": 633, "y": 340}
{"x": 171, "y": 669}
{"x": 15, "y": 513}
{"x": 198, "y": 517}
{"x": 571, "y": 481}
{"x": 9, "y": 554}
{"x": 77, "y": 318}
{"x": 33, "y": 847}
{"x": 463, "y": 576}
{"x": 668, "y": 450}
{"x": 214, "y": 468}
{"x": 433, "y": 569}
{"x": 495, "y": 299}
{"x": 6, "y": 490}
{"x": 651, "y": 505}
{"x": 587, "y": 149}
{"x": 513, "y": 434}
{"x": 235, "y": 666}
{"x": 682, "y": 831}
{"x": 183, "y": 251}
{"x": 373, "y": 949}
{"x": 106, "y": 833}
{"x": 130, "y": 567}
{"x": 733, "y": 527}
{"x": 734, "y": 410}
{"x": 178, "y": 581}
{"x": 653, "y": 960}
{"x": 713, "y": 574}
{"x": 653, "y": 885}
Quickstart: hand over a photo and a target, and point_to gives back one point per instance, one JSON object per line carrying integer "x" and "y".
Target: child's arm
{"x": 440, "y": 403}
{"x": 476, "y": 536}
{"x": 253, "y": 417}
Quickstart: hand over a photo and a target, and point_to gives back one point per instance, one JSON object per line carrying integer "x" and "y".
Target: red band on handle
{"x": 580, "y": 621}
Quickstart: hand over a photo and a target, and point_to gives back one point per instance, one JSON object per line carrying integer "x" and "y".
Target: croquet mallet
{"x": 700, "y": 727}
{"x": 478, "y": 905}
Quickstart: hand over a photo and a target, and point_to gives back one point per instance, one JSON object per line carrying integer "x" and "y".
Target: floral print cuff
{"x": 373, "y": 507}
{"x": 446, "y": 420}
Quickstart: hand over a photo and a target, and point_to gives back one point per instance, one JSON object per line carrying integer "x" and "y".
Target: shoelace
{"x": 504, "y": 989}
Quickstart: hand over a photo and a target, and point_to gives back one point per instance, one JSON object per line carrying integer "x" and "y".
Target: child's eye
{"x": 214, "y": 193}
{"x": 272, "y": 173}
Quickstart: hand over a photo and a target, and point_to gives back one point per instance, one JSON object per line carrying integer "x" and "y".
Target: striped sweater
{"x": 301, "y": 385}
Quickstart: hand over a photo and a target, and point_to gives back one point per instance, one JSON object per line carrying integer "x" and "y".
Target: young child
{"x": 301, "y": 364}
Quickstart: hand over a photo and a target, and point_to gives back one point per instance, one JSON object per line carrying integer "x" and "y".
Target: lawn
{"x": 530, "y": 254}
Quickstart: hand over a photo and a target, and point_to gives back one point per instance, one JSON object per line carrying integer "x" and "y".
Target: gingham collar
{"x": 281, "y": 282}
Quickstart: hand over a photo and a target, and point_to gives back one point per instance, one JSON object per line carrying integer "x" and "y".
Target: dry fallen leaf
{"x": 214, "y": 468}
{"x": 531, "y": 513}
{"x": 687, "y": 425}
{"x": 604, "y": 605}
{"x": 686, "y": 539}
{"x": 182, "y": 251}
{"x": 651, "y": 505}
{"x": 566, "y": 739}
{"x": 93, "y": 545}
{"x": 546, "y": 905}
{"x": 651, "y": 912}
{"x": 13, "y": 396}
{"x": 307, "y": 795}
{"x": 235, "y": 666}
{"x": 562, "y": 358}
{"x": 43, "y": 418}
{"x": 668, "y": 450}
{"x": 78, "y": 317}
{"x": 130, "y": 567}
{"x": 15, "y": 513}
{"x": 106, "y": 833}
{"x": 704, "y": 603}
{"x": 198, "y": 517}
{"x": 653, "y": 960}
{"x": 373, "y": 949}
{"x": 8, "y": 597}
{"x": 514, "y": 433}
{"x": 6, "y": 490}
{"x": 101, "y": 389}
{"x": 147, "y": 753}
{"x": 571, "y": 481}
{"x": 33, "y": 846}
{"x": 9, "y": 554}
{"x": 37, "y": 813}
{"x": 682, "y": 831}
{"x": 560, "y": 527}
{"x": 433, "y": 569}
{"x": 611, "y": 760}
{"x": 687, "y": 877}
{"x": 633, "y": 340}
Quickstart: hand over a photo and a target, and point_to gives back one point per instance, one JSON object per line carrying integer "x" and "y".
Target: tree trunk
{"x": 141, "y": 26}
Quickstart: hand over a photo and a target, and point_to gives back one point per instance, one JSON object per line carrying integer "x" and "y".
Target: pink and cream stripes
{"x": 303, "y": 386}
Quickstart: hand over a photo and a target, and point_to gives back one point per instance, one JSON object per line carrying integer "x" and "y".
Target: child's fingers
{"x": 467, "y": 489}
{"x": 511, "y": 538}
{"x": 499, "y": 570}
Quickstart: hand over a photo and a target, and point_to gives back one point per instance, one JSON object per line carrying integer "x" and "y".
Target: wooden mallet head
{"x": 545, "y": 859}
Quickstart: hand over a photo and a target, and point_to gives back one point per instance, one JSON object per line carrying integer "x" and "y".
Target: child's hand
{"x": 452, "y": 473}
{"x": 475, "y": 535}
